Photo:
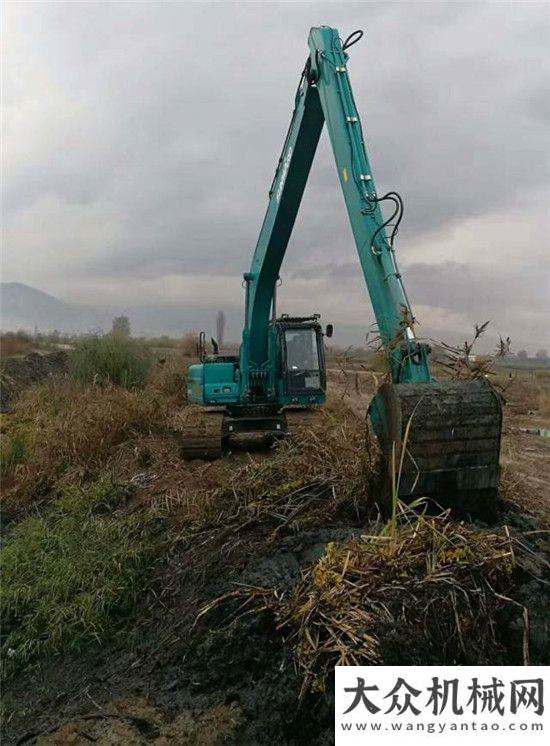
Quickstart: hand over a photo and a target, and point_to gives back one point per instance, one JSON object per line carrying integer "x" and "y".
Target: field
{"x": 146, "y": 599}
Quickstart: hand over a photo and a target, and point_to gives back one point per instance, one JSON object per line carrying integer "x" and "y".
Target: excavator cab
{"x": 302, "y": 377}
{"x": 298, "y": 370}
{"x": 280, "y": 396}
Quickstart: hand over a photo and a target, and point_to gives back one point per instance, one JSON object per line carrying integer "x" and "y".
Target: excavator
{"x": 440, "y": 439}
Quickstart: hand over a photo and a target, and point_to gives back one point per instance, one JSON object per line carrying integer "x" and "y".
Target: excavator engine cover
{"x": 447, "y": 442}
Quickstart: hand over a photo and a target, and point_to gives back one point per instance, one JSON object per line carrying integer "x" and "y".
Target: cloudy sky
{"x": 140, "y": 140}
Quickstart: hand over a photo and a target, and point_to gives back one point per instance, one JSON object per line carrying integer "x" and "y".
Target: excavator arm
{"x": 442, "y": 439}
{"x": 324, "y": 95}
{"x": 285, "y": 196}
{"x": 329, "y": 73}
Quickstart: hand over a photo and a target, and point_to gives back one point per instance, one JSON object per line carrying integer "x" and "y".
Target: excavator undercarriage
{"x": 213, "y": 434}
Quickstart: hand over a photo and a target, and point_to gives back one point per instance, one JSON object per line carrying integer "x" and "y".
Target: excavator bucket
{"x": 441, "y": 441}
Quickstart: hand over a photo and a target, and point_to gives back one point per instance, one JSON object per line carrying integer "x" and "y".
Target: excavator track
{"x": 447, "y": 438}
{"x": 201, "y": 435}
{"x": 204, "y": 432}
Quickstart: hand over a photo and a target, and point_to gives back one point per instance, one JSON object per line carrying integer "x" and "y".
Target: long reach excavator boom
{"x": 444, "y": 436}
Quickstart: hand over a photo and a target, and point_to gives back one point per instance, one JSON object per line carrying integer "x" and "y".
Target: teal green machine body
{"x": 324, "y": 95}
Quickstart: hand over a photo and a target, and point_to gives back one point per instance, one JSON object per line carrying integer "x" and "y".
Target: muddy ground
{"x": 224, "y": 681}
{"x": 176, "y": 677}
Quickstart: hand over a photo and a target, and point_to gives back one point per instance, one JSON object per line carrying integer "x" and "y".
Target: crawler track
{"x": 202, "y": 436}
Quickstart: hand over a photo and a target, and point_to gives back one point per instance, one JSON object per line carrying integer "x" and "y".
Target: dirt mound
{"x": 18, "y": 373}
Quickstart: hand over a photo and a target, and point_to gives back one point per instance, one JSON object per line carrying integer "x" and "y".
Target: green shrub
{"x": 111, "y": 359}
{"x": 71, "y": 574}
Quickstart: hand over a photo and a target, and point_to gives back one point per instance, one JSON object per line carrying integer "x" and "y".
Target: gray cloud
{"x": 455, "y": 286}
{"x": 142, "y": 139}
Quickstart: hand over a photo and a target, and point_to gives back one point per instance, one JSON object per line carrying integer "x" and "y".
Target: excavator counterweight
{"x": 440, "y": 439}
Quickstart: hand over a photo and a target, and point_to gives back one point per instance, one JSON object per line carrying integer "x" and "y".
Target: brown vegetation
{"x": 189, "y": 344}
{"x": 544, "y": 403}
{"x": 67, "y": 429}
{"x": 325, "y": 470}
{"x": 431, "y": 586}
{"x": 168, "y": 379}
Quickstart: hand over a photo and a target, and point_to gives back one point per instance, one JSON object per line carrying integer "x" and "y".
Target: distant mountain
{"x": 25, "y": 307}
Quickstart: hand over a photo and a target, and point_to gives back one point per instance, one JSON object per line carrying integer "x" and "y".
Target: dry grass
{"x": 75, "y": 566}
{"x": 460, "y": 363}
{"x": 10, "y": 346}
{"x": 379, "y": 363}
{"x": 65, "y": 428}
{"x": 313, "y": 477}
{"x": 321, "y": 469}
{"x": 544, "y": 403}
{"x": 132, "y": 720}
{"x": 429, "y": 591}
{"x": 169, "y": 379}
{"x": 190, "y": 344}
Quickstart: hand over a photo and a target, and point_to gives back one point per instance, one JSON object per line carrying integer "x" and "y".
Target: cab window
{"x": 301, "y": 350}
